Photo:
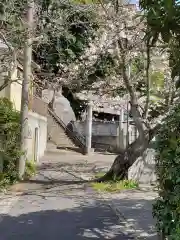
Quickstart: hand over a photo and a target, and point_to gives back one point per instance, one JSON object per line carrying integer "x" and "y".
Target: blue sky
{"x": 133, "y": 1}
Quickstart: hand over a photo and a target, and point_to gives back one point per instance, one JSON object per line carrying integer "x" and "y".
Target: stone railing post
{"x": 89, "y": 127}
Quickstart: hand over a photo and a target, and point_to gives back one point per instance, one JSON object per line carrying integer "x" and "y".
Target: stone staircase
{"x": 61, "y": 137}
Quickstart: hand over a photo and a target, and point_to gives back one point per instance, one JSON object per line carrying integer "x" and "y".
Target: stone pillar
{"x": 1, "y": 163}
{"x": 89, "y": 127}
{"x": 127, "y": 125}
{"x": 121, "y": 132}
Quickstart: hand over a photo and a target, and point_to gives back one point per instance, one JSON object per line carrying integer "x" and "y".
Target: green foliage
{"x": 157, "y": 81}
{"x": 11, "y": 14}
{"x": 68, "y": 28}
{"x": 104, "y": 66}
{"x": 30, "y": 169}
{"x": 156, "y": 78}
{"x": 158, "y": 94}
{"x": 9, "y": 140}
{"x": 163, "y": 21}
{"x": 162, "y": 17}
{"x": 137, "y": 65}
{"x": 113, "y": 186}
{"x": 119, "y": 91}
{"x": 85, "y": 1}
{"x": 167, "y": 207}
{"x": 174, "y": 60}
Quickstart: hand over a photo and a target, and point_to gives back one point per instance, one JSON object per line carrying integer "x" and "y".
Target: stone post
{"x": 127, "y": 125}
{"x": 1, "y": 163}
{"x": 121, "y": 132}
{"x": 89, "y": 127}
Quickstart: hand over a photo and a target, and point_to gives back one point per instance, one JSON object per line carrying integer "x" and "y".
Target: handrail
{"x": 80, "y": 138}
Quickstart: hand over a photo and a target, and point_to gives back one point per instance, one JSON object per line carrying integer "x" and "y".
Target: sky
{"x": 134, "y": 1}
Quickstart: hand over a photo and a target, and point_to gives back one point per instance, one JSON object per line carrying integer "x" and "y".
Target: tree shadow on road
{"x": 83, "y": 222}
{"x": 51, "y": 174}
{"x": 75, "y": 215}
{"x": 57, "y": 205}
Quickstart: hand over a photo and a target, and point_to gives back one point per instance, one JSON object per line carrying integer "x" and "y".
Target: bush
{"x": 9, "y": 141}
{"x": 30, "y": 169}
{"x": 167, "y": 207}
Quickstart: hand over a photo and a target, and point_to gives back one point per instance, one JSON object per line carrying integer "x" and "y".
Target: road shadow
{"x": 46, "y": 179}
{"x": 138, "y": 214}
{"x": 76, "y": 212}
{"x": 56, "y": 204}
{"x": 51, "y": 174}
{"x": 83, "y": 222}
{"x": 87, "y": 221}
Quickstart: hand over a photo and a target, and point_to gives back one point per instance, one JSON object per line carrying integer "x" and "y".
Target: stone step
{"x": 60, "y": 138}
{"x": 73, "y": 151}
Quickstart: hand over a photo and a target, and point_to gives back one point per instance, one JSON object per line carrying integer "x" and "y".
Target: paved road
{"x": 59, "y": 210}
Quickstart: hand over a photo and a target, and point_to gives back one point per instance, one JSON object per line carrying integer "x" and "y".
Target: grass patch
{"x": 99, "y": 174}
{"x": 113, "y": 186}
{"x": 30, "y": 169}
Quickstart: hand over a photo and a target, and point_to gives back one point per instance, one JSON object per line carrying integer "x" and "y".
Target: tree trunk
{"x": 25, "y": 89}
{"x": 122, "y": 163}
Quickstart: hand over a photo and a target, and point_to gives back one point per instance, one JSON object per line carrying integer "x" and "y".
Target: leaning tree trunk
{"x": 122, "y": 163}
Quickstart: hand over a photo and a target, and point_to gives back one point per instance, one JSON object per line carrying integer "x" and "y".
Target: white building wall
{"x": 40, "y": 122}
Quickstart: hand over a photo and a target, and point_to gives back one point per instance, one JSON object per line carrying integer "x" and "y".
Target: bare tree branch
{"x": 8, "y": 44}
{"x": 6, "y": 83}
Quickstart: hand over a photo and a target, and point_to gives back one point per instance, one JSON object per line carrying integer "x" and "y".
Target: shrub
{"x": 9, "y": 141}
{"x": 167, "y": 207}
{"x": 30, "y": 169}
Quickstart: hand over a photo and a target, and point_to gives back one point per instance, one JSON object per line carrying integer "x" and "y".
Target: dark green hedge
{"x": 9, "y": 141}
{"x": 167, "y": 207}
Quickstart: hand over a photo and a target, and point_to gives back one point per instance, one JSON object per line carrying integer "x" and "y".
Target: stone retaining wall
{"x": 143, "y": 170}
